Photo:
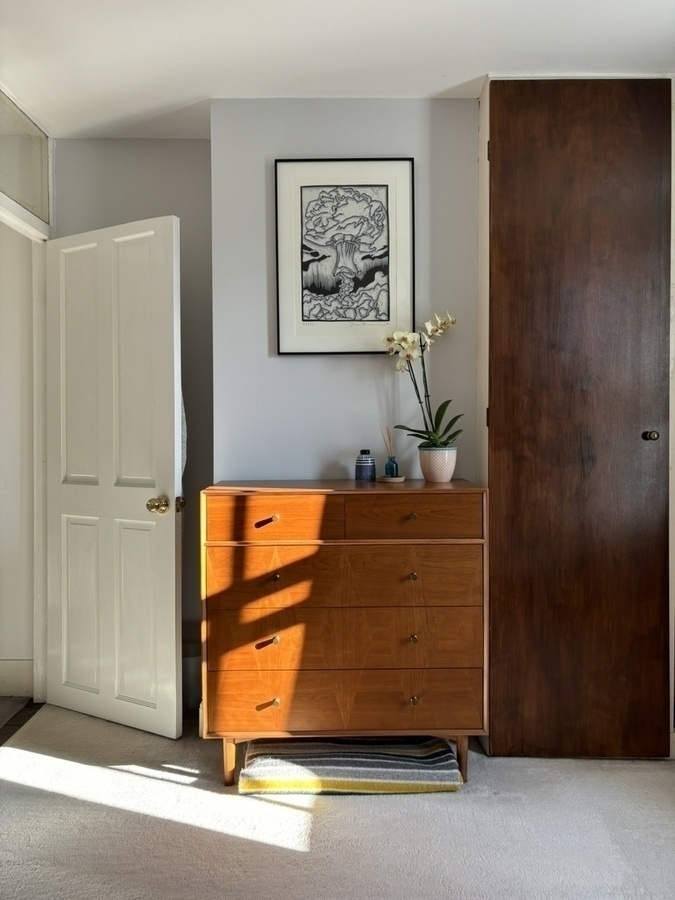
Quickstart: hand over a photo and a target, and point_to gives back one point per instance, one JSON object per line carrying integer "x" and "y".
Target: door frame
{"x": 39, "y": 472}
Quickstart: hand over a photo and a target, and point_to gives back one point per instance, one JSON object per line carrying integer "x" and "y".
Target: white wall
{"x": 107, "y": 182}
{"x": 308, "y": 416}
{"x": 16, "y": 463}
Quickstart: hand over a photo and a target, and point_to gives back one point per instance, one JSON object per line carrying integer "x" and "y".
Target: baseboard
{"x": 16, "y": 677}
{"x": 485, "y": 744}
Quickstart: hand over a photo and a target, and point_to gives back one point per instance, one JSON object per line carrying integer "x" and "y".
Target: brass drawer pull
{"x": 414, "y": 639}
{"x": 413, "y": 576}
{"x": 261, "y": 706}
{"x": 414, "y": 701}
{"x": 267, "y": 642}
{"x": 268, "y": 521}
{"x": 413, "y": 517}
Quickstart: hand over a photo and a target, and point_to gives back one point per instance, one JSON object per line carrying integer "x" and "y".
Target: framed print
{"x": 345, "y": 253}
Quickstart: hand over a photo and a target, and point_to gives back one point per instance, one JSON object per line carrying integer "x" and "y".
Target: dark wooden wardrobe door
{"x": 579, "y": 344}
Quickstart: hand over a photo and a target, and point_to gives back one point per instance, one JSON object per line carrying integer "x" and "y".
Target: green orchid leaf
{"x": 440, "y": 413}
{"x": 412, "y": 432}
{"x": 451, "y": 424}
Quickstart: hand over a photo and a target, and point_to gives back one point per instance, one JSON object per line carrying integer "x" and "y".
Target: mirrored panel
{"x": 24, "y": 160}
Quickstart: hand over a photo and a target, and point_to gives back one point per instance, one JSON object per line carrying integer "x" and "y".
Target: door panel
{"x": 80, "y": 373}
{"x": 81, "y": 613}
{"x": 579, "y": 370}
{"x": 113, "y": 443}
{"x": 133, "y": 329}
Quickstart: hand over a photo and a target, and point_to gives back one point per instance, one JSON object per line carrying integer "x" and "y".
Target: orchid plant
{"x": 411, "y": 347}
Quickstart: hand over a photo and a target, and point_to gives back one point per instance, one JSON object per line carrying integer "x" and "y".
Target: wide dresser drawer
{"x": 433, "y": 700}
{"x": 400, "y": 637}
{"x": 273, "y": 516}
{"x": 271, "y": 577}
{"x": 414, "y": 516}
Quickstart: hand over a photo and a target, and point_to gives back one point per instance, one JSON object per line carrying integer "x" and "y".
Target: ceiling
{"x": 147, "y": 68}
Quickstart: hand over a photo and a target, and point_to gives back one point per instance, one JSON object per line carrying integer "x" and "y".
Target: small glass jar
{"x": 365, "y": 466}
{"x": 391, "y": 467}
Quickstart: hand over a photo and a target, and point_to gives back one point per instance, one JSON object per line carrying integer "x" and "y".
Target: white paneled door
{"x": 114, "y": 475}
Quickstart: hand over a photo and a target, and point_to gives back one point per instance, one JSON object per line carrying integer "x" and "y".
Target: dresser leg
{"x": 462, "y": 742}
{"x": 229, "y": 759}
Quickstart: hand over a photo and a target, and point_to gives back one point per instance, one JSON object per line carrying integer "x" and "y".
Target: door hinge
{"x": 488, "y": 151}
{"x": 487, "y": 416}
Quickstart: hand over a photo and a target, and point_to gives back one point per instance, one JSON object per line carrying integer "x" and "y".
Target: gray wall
{"x": 307, "y": 416}
{"x": 108, "y": 182}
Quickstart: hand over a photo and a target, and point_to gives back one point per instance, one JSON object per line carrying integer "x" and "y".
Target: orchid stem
{"x": 427, "y": 425}
{"x": 427, "y": 396}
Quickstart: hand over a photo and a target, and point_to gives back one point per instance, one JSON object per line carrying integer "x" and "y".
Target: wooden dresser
{"x": 343, "y": 608}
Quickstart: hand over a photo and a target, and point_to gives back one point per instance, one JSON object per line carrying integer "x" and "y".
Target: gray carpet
{"x": 89, "y": 809}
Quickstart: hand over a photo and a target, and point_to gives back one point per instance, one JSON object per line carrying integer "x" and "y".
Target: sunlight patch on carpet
{"x": 139, "y": 790}
{"x": 159, "y": 774}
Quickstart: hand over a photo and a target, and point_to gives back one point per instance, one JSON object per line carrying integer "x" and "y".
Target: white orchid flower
{"x": 445, "y": 322}
{"x": 410, "y": 353}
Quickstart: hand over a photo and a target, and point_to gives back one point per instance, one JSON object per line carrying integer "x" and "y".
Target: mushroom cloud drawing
{"x": 345, "y": 245}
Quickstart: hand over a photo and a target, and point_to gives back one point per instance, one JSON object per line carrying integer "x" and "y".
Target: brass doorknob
{"x": 159, "y": 504}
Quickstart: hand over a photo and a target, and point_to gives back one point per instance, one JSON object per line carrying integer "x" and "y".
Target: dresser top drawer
{"x": 414, "y": 516}
{"x": 324, "y": 510}
{"x": 272, "y": 516}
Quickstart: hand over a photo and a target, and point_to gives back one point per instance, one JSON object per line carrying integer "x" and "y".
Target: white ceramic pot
{"x": 438, "y": 463}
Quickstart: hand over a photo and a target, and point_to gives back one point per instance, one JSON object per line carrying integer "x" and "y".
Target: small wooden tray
{"x": 386, "y": 478}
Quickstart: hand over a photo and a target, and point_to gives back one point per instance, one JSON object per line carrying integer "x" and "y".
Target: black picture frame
{"x": 345, "y": 253}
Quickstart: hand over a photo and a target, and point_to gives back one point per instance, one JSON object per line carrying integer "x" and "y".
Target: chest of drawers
{"x": 343, "y": 608}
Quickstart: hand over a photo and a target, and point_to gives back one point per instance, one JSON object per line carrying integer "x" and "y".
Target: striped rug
{"x": 349, "y": 766}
